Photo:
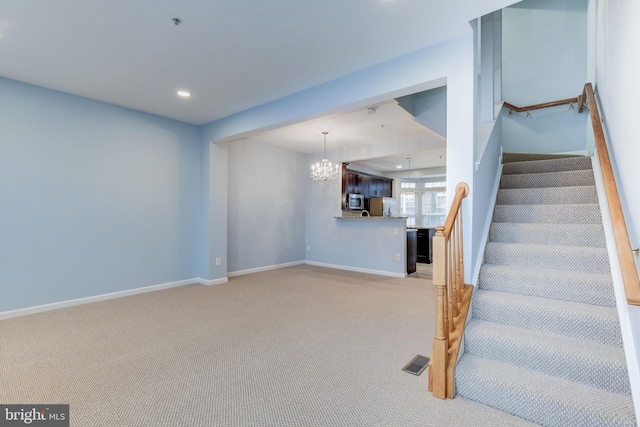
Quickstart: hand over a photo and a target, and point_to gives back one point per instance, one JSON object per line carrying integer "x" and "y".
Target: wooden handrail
{"x": 462, "y": 190}
{"x": 539, "y": 106}
{"x": 621, "y": 235}
{"x": 453, "y": 298}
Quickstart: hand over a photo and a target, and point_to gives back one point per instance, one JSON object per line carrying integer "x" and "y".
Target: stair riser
{"x": 591, "y": 235}
{"x": 542, "y": 166}
{"x": 549, "y": 179}
{"x": 586, "y": 326}
{"x": 595, "y": 291}
{"x": 548, "y": 196}
{"x": 569, "y": 258}
{"x": 608, "y": 374}
{"x": 545, "y": 214}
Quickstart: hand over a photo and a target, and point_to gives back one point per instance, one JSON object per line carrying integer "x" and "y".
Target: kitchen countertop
{"x": 371, "y": 217}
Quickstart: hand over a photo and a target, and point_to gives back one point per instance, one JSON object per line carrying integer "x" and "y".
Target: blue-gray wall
{"x": 430, "y": 109}
{"x": 618, "y": 67}
{"x": 484, "y": 187}
{"x": 544, "y": 50}
{"x": 544, "y": 59}
{"x": 266, "y": 209}
{"x": 449, "y": 63}
{"x": 94, "y": 198}
{"x": 99, "y": 199}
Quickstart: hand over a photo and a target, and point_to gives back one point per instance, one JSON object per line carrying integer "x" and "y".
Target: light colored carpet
{"x": 301, "y": 346}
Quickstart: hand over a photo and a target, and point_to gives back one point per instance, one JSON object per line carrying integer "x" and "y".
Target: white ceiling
{"x": 386, "y": 123}
{"x": 230, "y": 54}
{"x": 420, "y": 160}
{"x": 350, "y": 129}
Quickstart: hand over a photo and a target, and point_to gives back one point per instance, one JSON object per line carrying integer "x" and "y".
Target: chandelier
{"x": 324, "y": 172}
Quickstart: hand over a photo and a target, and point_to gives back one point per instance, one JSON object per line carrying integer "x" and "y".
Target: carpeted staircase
{"x": 544, "y": 340}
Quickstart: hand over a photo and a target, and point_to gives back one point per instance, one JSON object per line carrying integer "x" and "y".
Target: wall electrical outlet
{"x": 218, "y": 261}
{"x": 308, "y": 248}
{"x": 395, "y": 231}
{"x": 397, "y": 257}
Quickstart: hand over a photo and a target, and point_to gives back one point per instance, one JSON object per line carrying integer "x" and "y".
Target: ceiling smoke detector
{"x": 372, "y": 110}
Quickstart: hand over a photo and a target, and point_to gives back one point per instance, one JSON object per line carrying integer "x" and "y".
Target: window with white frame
{"x": 423, "y": 202}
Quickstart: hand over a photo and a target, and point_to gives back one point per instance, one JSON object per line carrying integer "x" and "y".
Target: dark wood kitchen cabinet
{"x": 374, "y": 187}
{"x": 365, "y": 181}
{"x": 412, "y": 246}
{"x": 386, "y": 187}
{"x": 425, "y": 238}
{"x": 351, "y": 182}
{"x": 354, "y": 182}
{"x": 380, "y": 187}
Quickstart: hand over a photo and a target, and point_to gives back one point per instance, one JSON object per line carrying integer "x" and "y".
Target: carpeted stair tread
{"x": 585, "y": 362}
{"x": 540, "y": 398}
{"x": 544, "y": 341}
{"x": 524, "y": 157}
{"x": 552, "y": 257}
{"x": 573, "y": 319}
{"x": 547, "y": 196}
{"x": 556, "y": 214}
{"x": 548, "y": 179}
{"x": 549, "y": 165}
{"x": 576, "y": 286}
{"x": 548, "y": 234}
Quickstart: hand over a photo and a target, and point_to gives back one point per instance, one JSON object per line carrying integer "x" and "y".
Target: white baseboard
{"x": 104, "y": 297}
{"x": 95, "y": 298}
{"x": 266, "y": 268}
{"x": 357, "y": 269}
{"x": 206, "y": 282}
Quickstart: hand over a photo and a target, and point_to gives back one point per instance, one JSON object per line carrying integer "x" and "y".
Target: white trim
{"x": 206, "y": 282}
{"x": 95, "y": 298}
{"x": 357, "y": 269}
{"x": 574, "y": 153}
{"x": 625, "y": 311}
{"x": 266, "y": 268}
{"x": 487, "y": 225}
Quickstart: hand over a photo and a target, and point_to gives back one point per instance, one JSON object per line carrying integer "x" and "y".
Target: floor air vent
{"x": 417, "y": 365}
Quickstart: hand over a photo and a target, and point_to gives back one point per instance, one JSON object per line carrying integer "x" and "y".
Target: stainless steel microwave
{"x": 355, "y": 202}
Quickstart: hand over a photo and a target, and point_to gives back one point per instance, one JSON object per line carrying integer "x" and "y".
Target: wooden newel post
{"x": 440, "y": 341}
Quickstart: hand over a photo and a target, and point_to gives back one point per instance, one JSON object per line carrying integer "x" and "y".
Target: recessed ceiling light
{"x": 184, "y": 93}
{"x": 399, "y": 167}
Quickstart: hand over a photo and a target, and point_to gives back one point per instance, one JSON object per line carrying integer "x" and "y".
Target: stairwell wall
{"x": 544, "y": 59}
{"x": 617, "y": 68}
{"x": 486, "y": 179}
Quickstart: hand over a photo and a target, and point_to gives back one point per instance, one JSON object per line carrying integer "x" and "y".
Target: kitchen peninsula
{"x": 402, "y": 235}
{"x": 369, "y": 220}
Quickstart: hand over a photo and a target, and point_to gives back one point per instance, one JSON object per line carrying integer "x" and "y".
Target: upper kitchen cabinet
{"x": 365, "y": 182}
{"x": 380, "y": 187}
{"x": 368, "y": 185}
{"x": 354, "y": 183}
